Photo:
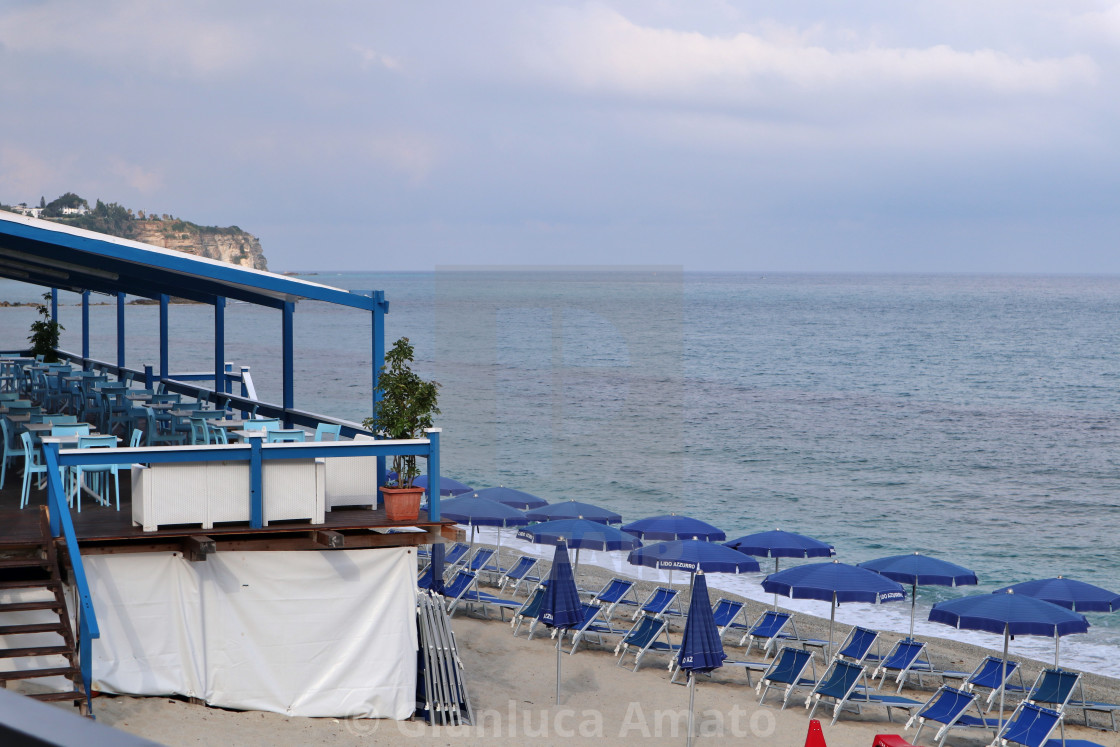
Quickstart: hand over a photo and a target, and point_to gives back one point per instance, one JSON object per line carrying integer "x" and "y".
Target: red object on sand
{"x": 815, "y": 737}
{"x": 890, "y": 740}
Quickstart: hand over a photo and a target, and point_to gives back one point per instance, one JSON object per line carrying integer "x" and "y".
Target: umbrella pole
{"x": 1003, "y": 687}
{"x": 913, "y": 605}
{"x": 1056, "y": 641}
{"x": 691, "y": 700}
{"x": 558, "y": 637}
{"x": 831, "y": 625}
{"x": 775, "y": 593}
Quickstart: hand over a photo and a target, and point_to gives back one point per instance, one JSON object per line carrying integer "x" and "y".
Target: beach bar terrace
{"x": 253, "y": 574}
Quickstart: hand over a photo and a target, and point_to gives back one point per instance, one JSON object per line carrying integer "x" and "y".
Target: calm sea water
{"x": 975, "y": 418}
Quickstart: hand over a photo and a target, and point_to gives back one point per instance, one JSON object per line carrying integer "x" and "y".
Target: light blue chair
{"x": 101, "y": 470}
{"x": 263, "y": 424}
{"x": 32, "y": 465}
{"x": 10, "y": 450}
{"x": 322, "y": 430}
{"x": 70, "y": 429}
{"x": 285, "y": 435}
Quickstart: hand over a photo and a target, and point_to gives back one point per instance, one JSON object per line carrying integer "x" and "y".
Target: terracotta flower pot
{"x": 402, "y": 504}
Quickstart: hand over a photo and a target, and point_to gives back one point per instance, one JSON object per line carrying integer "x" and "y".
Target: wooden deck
{"x": 102, "y": 530}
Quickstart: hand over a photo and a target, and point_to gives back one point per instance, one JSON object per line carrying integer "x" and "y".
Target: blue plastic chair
{"x": 284, "y": 435}
{"x": 100, "y": 470}
{"x": 32, "y": 465}
{"x": 9, "y": 452}
{"x": 328, "y": 429}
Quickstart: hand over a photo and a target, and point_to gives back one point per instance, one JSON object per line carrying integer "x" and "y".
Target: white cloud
{"x": 371, "y": 58}
{"x": 24, "y": 174}
{"x": 144, "y": 181}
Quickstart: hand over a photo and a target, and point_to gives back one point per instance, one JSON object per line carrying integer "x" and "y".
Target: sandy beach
{"x": 511, "y": 683}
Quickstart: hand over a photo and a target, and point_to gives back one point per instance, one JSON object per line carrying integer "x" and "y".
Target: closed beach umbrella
{"x": 447, "y": 486}
{"x": 573, "y": 510}
{"x": 1069, "y": 593}
{"x": 674, "y": 527}
{"x": 701, "y": 647}
{"x": 518, "y": 499}
{"x": 920, "y": 570}
{"x": 1011, "y": 614}
{"x": 480, "y": 512}
{"x": 580, "y": 534}
{"x": 561, "y": 606}
{"x": 833, "y": 582}
{"x": 777, "y": 544}
{"x": 693, "y": 556}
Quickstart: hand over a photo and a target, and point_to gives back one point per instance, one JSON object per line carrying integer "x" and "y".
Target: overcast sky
{"x": 959, "y": 136}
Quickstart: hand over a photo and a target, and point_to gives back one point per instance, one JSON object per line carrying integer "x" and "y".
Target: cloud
{"x": 371, "y": 58}
{"x": 23, "y": 174}
{"x": 144, "y": 181}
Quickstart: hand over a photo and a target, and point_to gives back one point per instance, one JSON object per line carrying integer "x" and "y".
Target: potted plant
{"x": 44, "y": 333}
{"x": 404, "y": 410}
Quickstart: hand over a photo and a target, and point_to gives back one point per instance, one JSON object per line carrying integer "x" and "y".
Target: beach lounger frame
{"x": 529, "y": 610}
{"x": 1029, "y": 726}
{"x": 857, "y": 646}
{"x": 987, "y": 674}
{"x": 904, "y": 658}
{"x": 520, "y": 573}
{"x": 786, "y": 671}
{"x": 660, "y": 603}
{"x": 948, "y": 707}
{"x": 644, "y": 637}
{"x": 593, "y": 625}
{"x": 727, "y": 613}
{"x": 845, "y": 685}
{"x": 768, "y": 629}
{"x": 462, "y": 592}
{"x": 616, "y": 592}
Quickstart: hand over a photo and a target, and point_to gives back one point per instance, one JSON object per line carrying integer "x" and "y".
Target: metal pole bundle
{"x": 445, "y": 692}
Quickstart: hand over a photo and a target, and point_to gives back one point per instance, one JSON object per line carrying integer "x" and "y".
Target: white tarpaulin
{"x": 299, "y": 633}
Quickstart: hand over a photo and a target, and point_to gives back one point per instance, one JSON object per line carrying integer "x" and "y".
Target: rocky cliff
{"x": 226, "y": 244}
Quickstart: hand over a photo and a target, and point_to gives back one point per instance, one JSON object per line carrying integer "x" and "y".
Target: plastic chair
{"x": 136, "y": 438}
{"x": 32, "y": 465}
{"x": 200, "y": 431}
{"x": 10, "y": 451}
{"x": 104, "y": 470}
{"x": 324, "y": 429}
{"x": 70, "y": 429}
{"x": 284, "y": 435}
{"x": 262, "y": 424}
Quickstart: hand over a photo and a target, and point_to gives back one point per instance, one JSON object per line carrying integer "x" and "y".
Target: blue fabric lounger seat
{"x": 990, "y": 675}
{"x": 857, "y": 647}
{"x": 845, "y": 684}
{"x": 644, "y": 637}
{"x": 1030, "y": 726}
{"x": 769, "y": 628}
{"x": 661, "y": 601}
{"x": 462, "y": 592}
{"x": 616, "y": 592}
{"x": 904, "y": 658}
{"x": 949, "y": 708}
{"x": 528, "y": 612}
{"x": 727, "y": 614}
{"x": 520, "y": 574}
{"x": 592, "y": 625}
{"x": 787, "y": 671}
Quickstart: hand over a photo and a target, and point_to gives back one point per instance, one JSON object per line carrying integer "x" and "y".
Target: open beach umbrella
{"x": 518, "y": 499}
{"x": 674, "y": 527}
{"x": 561, "y": 607}
{"x": 692, "y": 556}
{"x": 701, "y": 647}
{"x": 447, "y": 486}
{"x": 833, "y": 582}
{"x": 1011, "y": 614}
{"x": 777, "y": 544}
{"x": 920, "y": 570}
{"x": 1069, "y": 593}
{"x": 573, "y": 510}
{"x": 480, "y": 512}
{"x": 580, "y": 534}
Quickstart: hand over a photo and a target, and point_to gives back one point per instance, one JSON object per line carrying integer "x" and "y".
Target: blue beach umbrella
{"x": 480, "y": 512}
{"x": 561, "y": 607}
{"x": 1011, "y": 614}
{"x": 1069, "y": 593}
{"x": 580, "y": 534}
{"x": 447, "y": 486}
{"x": 674, "y": 527}
{"x": 701, "y": 647}
{"x": 920, "y": 570}
{"x": 518, "y": 499}
{"x": 833, "y": 582}
{"x": 778, "y": 544}
{"x": 692, "y": 556}
{"x": 573, "y": 510}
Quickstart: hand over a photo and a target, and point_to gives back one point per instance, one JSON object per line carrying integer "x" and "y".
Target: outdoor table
{"x": 249, "y": 434}
{"x": 18, "y": 419}
{"x": 227, "y": 424}
{"x": 67, "y": 442}
{"x": 46, "y": 427}
{"x": 138, "y": 397}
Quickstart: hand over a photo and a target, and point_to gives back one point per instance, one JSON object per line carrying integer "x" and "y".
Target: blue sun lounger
{"x": 529, "y": 610}
{"x": 727, "y": 613}
{"x": 661, "y": 601}
{"x": 1054, "y": 688}
{"x": 845, "y": 684}
{"x": 787, "y": 671}
{"x": 591, "y": 625}
{"x": 617, "y": 591}
{"x": 461, "y": 592}
{"x": 768, "y": 628}
{"x": 455, "y": 555}
{"x": 479, "y": 560}
{"x": 905, "y": 657}
{"x": 949, "y": 708}
{"x": 857, "y": 647}
{"x": 988, "y": 675}
{"x": 1030, "y": 726}
{"x": 644, "y": 637}
{"x": 520, "y": 574}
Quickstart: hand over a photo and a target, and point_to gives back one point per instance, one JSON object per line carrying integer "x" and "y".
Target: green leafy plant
{"x": 405, "y": 408}
{"x": 45, "y": 333}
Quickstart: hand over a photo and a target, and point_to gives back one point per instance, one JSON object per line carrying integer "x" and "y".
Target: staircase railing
{"x": 62, "y": 525}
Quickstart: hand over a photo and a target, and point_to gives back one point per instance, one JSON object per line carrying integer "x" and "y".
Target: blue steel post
{"x": 433, "y": 504}
{"x": 164, "y": 356}
{"x": 54, "y": 304}
{"x": 85, "y": 327}
{"x": 149, "y": 377}
{"x": 220, "y": 344}
{"x": 256, "y": 484}
{"x": 380, "y": 309}
{"x": 289, "y": 362}
{"x": 120, "y": 330}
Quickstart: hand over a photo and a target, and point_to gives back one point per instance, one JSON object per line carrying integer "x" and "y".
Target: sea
{"x": 975, "y": 418}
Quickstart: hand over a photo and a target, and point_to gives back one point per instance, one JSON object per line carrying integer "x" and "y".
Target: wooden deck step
{"x": 21, "y": 606}
{"x": 27, "y": 583}
{"x": 49, "y": 627}
{"x": 27, "y": 562}
{"x": 58, "y": 697}
{"x": 15, "y": 653}
{"x": 33, "y": 674}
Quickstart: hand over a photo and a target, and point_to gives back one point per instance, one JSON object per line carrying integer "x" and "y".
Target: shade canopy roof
{"x": 55, "y": 255}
